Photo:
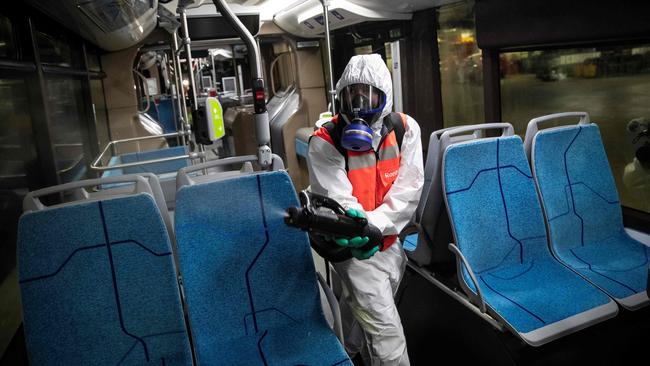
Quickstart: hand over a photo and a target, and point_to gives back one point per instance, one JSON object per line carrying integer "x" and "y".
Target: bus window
{"x": 7, "y": 47}
{"x": 18, "y": 168}
{"x": 363, "y": 50}
{"x": 461, "y": 70}
{"x": 66, "y": 118}
{"x": 611, "y": 84}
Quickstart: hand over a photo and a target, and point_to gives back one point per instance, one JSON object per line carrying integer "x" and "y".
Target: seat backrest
{"x": 434, "y": 232}
{"x": 220, "y": 169}
{"x": 97, "y": 280}
{"x": 156, "y": 168}
{"x": 244, "y": 270}
{"x": 493, "y": 204}
{"x": 576, "y": 185}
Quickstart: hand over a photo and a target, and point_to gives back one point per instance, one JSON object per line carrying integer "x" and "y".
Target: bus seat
{"x": 502, "y": 249}
{"x": 97, "y": 279}
{"x": 221, "y": 169}
{"x": 166, "y": 170}
{"x": 583, "y": 210}
{"x": 302, "y": 141}
{"x": 426, "y": 239}
{"x": 156, "y": 168}
{"x": 249, "y": 279}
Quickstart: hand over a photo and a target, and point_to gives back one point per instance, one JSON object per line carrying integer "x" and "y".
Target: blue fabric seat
{"x": 410, "y": 242}
{"x": 499, "y": 228}
{"x": 98, "y": 285}
{"x": 584, "y": 215}
{"x": 156, "y": 168}
{"x": 249, "y": 279}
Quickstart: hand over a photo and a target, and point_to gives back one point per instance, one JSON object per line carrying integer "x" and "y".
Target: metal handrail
{"x": 96, "y": 164}
{"x": 273, "y": 63}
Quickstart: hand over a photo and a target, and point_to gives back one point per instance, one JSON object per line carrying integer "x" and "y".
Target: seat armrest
{"x": 479, "y": 296}
{"x": 334, "y": 306}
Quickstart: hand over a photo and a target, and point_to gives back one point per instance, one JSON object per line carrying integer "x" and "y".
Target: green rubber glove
{"x": 364, "y": 254}
{"x": 357, "y": 241}
{"x": 354, "y": 242}
{"x": 355, "y": 213}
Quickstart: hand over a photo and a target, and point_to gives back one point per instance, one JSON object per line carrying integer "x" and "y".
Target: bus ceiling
{"x": 304, "y": 18}
{"x": 113, "y": 27}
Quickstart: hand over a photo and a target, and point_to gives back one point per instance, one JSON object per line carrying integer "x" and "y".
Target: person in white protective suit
{"x": 636, "y": 175}
{"x": 370, "y": 161}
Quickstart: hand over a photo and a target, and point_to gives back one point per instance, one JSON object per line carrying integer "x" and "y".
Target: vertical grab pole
{"x": 332, "y": 94}
{"x": 262, "y": 129}
{"x": 188, "y": 56}
{"x": 332, "y": 91}
{"x": 178, "y": 82}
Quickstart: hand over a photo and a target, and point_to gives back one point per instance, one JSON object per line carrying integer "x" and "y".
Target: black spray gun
{"x": 323, "y": 217}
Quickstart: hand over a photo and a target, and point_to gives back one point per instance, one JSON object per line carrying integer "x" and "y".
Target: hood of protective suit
{"x": 371, "y": 70}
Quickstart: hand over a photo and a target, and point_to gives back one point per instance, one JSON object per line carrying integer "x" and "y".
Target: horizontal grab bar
{"x": 96, "y": 164}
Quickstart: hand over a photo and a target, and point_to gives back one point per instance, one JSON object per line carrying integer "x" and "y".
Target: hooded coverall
{"x": 369, "y": 285}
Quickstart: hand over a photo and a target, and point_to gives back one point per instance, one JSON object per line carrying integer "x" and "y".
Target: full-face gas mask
{"x": 361, "y": 105}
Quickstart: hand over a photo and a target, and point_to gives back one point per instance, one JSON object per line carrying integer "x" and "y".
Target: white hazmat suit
{"x": 369, "y": 285}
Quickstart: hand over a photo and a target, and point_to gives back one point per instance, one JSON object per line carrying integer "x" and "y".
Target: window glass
{"x": 67, "y": 125}
{"x": 363, "y": 50}
{"x": 611, "y": 84}
{"x": 93, "y": 61}
{"x": 7, "y": 44}
{"x": 58, "y": 49}
{"x": 99, "y": 105}
{"x": 461, "y": 68}
{"x": 17, "y": 164}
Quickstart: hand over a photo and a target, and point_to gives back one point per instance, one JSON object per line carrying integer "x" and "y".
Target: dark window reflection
{"x": 7, "y": 44}
{"x": 58, "y": 49}
{"x": 611, "y": 84}
{"x": 101, "y": 120}
{"x": 461, "y": 69}
{"x": 67, "y": 123}
{"x": 93, "y": 62}
{"x": 16, "y": 161}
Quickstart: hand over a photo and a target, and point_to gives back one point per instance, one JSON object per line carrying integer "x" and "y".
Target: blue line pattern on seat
{"x": 62, "y": 264}
{"x": 264, "y": 310}
{"x": 585, "y": 219}
{"x": 505, "y": 207}
{"x": 597, "y": 271}
{"x": 573, "y": 201}
{"x": 497, "y": 215}
{"x": 511, "y": 300}
{"x": 250, "y": 267}
{"x": 94, "y": 291}
{"x": 115, "y": 288}
{"x": 484, "y": 171}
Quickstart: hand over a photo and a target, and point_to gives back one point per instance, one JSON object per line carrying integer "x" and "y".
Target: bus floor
{"x": 438, "y": 329}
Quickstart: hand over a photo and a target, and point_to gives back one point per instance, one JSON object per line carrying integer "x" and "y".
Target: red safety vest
{"x": 371, "y": 172}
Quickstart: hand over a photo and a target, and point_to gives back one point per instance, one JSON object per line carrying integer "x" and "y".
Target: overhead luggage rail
{"x": 503, "y": 260}
{"x": 583, "y": 210}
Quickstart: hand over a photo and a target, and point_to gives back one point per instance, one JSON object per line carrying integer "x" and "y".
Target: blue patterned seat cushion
{"x": 249, "y": 279}
{"x": 584, "y": 213}
{"x": 99, "y": 289}
{"x": 500, "y": 229}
